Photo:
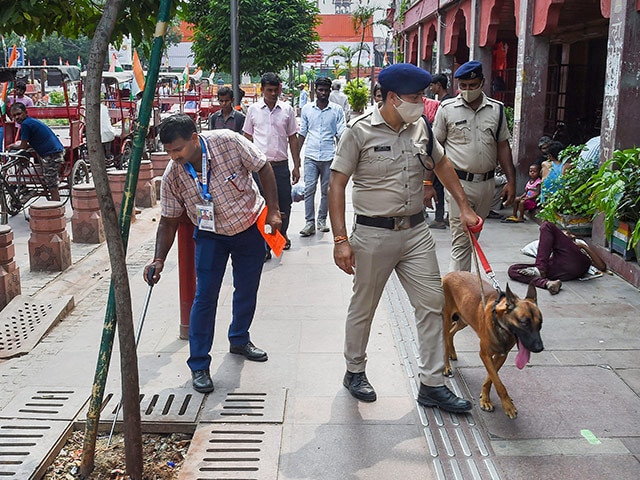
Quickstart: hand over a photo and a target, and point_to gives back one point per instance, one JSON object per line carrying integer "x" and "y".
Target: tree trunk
{"x": 119, "y": 280}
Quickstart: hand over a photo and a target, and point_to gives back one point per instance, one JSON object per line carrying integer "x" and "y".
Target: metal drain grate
{"x": 47, "y": 403}
{"x": 233, "y": 451}
{"x": 168, "y": 411}
{"x": 245, "y": 407}
{"x": 24, "y": 322}
{"x": 26, "y": 445}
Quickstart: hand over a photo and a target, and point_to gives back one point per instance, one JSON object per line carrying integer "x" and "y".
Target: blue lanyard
{"x": 203, "y": 186}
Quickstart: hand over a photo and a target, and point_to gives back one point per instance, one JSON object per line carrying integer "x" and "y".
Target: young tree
{"x": 103, "y": 21}
{"x": 347, "y": 53}
{"x": 273, "y": 34}
{"x": 362, "y": 21}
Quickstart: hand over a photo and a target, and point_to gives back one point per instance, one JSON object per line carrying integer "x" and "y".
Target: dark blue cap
{"x": 404, "y": 78}
{"x": 469, "y": 70}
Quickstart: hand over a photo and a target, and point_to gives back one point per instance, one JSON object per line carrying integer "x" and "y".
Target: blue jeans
{"x": 212, "y": 253}
{"x": 312, "y": 170}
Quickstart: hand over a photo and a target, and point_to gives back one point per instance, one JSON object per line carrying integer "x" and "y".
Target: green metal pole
{"x": 108, "y": 332}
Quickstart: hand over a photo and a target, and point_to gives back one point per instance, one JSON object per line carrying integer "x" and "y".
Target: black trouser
{"x": 283, "y": 184}
{"x": 439, "y": 188}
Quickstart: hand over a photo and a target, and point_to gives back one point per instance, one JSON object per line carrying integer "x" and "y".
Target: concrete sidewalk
{"x": 577, "y": 401}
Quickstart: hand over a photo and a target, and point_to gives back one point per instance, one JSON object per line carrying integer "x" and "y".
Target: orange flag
{"x": 137, "y": 70}
{"x": 275, "y": 240}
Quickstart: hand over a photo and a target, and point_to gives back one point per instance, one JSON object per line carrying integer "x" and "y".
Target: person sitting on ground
{"x": 528, "y": 201}
{"x": 543, "y": 145}
{"x": 561, "y": 257}
{"x": 551, "y": 171}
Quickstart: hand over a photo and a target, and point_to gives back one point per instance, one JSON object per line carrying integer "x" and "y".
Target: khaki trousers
{"x": 480, "y": 196}
{"x": 411, "y": 253}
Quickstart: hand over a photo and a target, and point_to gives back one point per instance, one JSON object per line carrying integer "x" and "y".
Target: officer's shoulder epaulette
{"x": 448, "y": 101}
{"x": 358, "y": 119}
{"x": 493, "y": 100}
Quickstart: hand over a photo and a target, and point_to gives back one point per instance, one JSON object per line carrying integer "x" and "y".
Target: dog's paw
{"x": 486, "y": 404}
{"x": 510, "y": 409}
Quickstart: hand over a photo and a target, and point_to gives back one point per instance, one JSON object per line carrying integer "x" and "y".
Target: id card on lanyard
{"x": 204, "y": 210}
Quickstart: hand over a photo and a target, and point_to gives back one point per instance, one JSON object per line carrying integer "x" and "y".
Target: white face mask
{"x": 410, "y": 112}
{"x": 470, "y": 96}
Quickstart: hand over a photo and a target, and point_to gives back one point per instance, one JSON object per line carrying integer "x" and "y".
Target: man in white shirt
{"x": 340, "y": 98}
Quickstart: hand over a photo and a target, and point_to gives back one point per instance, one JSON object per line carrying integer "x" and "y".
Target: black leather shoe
{"x": 250, "y": 352}
{"x": 359, "y": 386}
{"x": 202, "y": 381}
{"x": 442, "y": 398}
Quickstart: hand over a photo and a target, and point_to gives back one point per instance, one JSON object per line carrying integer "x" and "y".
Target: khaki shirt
{"x": 387, "y": 173}
{"x": 468, "y": 136}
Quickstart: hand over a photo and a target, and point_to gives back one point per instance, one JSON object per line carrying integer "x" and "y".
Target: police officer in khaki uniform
{"x": 473, "y": 130}
{"x": 385, "y": 153}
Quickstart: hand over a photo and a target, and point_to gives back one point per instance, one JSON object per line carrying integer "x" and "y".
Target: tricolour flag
{"x": 185, "y": 75}
{"x": 79, "y": 63}
{"x": 114, "y": 64}
{"x": 138, "y": 74}
{"x": 6, "y": 86}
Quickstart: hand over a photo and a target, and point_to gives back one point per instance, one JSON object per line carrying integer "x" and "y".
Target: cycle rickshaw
{"x": 21, "y": 179}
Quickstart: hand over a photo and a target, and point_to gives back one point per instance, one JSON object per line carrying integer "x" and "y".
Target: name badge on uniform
{"x": 382, "y": 148}
{"x": 206, "y": 220}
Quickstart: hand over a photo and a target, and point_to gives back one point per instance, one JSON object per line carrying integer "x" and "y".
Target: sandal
{"x": 511, "y": 219}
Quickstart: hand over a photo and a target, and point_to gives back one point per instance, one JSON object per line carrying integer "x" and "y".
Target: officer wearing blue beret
{"x": 387, "y": 154}
{"x": 473, "y": 130}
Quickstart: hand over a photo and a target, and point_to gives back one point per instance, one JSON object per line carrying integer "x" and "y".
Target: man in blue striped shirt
{"x": 321, "y": 125}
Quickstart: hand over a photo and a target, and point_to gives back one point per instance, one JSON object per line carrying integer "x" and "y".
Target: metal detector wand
{"x": 150, "y": 274}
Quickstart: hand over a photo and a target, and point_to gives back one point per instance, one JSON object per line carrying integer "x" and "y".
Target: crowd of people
{"x": 245, "y": 164}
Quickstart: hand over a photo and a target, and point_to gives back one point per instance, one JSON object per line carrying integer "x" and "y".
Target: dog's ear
{"x": 512, "y": 299}
{"x": 532, "y": 293}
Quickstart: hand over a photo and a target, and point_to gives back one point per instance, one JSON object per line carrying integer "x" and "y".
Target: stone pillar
{"x": 531, "y": 89}
{"x": 49, "y": 243}
{"x": 620, "y": 110}
{"x": 479, "y": 53}
{"x": 145, "y": 189}
{"x": 159, "y": 161}
{"x": 9, "y": 271}
{"x": 86, "y": 222}
{"x": 117, "y": 180}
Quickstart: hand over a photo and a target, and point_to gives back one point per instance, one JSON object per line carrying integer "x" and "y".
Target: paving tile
{"x": 619, "y": 467}
{"x": 559, "y": 402}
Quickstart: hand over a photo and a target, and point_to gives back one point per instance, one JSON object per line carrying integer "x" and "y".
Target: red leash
{"x": 477, "y": 228}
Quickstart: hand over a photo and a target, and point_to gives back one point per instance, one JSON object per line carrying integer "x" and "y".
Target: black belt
{"x": 475, "y": 177}
{"x": 392, "y": 223}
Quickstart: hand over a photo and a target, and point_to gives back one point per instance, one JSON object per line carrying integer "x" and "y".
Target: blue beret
{"x": 469, "y": 70}
{"x": 404, "y": 78}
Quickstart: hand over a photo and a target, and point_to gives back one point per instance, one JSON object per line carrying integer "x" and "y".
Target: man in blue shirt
{"x": 322, "y": 122}
{"x": 35, "y": 134}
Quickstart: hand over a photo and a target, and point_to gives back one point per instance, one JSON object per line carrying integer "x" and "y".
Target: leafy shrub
{"x": 358, "y": 94}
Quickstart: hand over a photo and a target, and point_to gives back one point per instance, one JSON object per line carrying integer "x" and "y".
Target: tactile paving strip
{"x": 47, "y": 403}
{"x": 456, "y": 445}
{"x": 167, "y": 411}
{"x": 25, "y": 321}
{"x": 26, "y": 445}
{"x": 233, "y": 451}
{"x": 245, "y": 407}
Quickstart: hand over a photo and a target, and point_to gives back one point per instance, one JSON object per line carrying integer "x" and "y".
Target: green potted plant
{"x": 358, "y": 94}
{"x": 615, "y": 191}
{"x": 569, "y": 206}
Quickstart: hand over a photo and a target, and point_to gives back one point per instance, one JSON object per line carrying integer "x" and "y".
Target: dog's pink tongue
{"x": 522, "y": 358}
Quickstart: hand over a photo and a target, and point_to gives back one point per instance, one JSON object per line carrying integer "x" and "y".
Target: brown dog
{"x": 504, "y": 321}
